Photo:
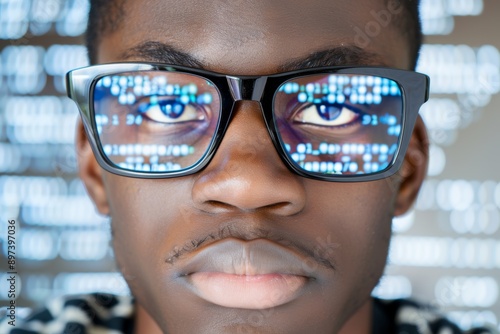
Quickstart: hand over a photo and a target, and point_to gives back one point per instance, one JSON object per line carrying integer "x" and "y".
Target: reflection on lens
{"x": 155, "y": 121}
{"x": 340, "y": 124}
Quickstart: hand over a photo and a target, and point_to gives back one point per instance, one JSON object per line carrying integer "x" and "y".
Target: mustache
{"x": 322, "y": 253}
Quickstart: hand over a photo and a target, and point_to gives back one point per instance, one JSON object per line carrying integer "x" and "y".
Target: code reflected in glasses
{"x": 340, "y": 124}
{"x": 155, "y": 121}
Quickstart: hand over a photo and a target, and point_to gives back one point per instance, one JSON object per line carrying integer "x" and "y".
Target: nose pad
{"x": 246, "y": 172}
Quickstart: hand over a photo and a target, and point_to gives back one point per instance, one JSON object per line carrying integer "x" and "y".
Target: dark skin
{"x": 246, "y": 192}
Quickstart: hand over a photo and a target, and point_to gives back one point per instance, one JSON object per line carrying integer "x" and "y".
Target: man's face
{"x": 183, "y": 244}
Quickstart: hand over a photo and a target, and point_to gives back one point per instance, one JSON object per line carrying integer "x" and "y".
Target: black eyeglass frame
{"x": 80, "y": 85}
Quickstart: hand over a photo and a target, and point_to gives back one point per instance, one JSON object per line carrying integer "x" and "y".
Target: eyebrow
{"x": 162, "y": 53}
{"x": 337, "y": 56}
{"x": 344, "y": 55}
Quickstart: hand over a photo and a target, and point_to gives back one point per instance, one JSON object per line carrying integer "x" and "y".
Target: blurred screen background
{"x": 446, "y": 251}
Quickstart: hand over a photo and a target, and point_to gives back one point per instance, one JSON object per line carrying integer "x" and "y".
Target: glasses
{"x": 334, "y": 123}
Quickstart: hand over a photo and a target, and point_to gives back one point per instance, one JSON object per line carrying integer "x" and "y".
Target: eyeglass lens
{"x": 339, "y": 124}
{"x": 158, "y": 121}
{"x": 155, "y": 121}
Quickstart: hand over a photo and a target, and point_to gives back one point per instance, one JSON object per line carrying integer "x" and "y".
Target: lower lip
{"x": 247, "y": 291}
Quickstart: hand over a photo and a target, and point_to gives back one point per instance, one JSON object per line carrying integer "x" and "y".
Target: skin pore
{"x": 341, "y": 231}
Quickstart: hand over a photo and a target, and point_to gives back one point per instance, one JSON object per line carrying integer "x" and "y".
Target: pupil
{"x": 328, "y": 112}
{"x": 172, "y": 109}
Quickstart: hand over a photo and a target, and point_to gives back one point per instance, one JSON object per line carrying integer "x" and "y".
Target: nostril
{"x": 285, "y": 208}
{"x": 216, "y": 207}
{"x": 220, "y": 207}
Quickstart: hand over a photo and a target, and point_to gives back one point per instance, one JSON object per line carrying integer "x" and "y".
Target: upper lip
{"x": 239, "y": 257}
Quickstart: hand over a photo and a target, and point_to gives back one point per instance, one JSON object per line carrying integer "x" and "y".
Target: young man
{"x": 249, "y": 202}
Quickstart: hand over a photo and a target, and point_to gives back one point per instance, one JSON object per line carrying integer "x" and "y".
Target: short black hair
{"x": 411, "y": 26}
{"x": 105, "y": 16}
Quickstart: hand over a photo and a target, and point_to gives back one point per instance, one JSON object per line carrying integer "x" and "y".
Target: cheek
{"x": 357, "y": 221}
{"x": 367, "y": 245}
{"x": 369, "y": 230}
{"x": 143, "y": 220}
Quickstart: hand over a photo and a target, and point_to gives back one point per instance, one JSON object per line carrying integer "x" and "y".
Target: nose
{"x": 246, "y": 173}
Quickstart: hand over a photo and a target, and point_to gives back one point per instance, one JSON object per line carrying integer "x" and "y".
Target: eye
{"x": 170, "y": 110}
{"x": 326, "y": 114}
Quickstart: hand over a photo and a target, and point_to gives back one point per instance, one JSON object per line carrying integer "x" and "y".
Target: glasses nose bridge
{"x": 252, "y": 89}
{"x": 247, "y": 88}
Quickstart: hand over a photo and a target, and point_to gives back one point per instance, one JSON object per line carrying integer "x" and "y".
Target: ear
{"x": 414, "y": 169}
{"x": 90, "y": 172}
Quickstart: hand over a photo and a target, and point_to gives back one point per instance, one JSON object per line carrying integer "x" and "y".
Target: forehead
{"x": 256, "y": 37}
